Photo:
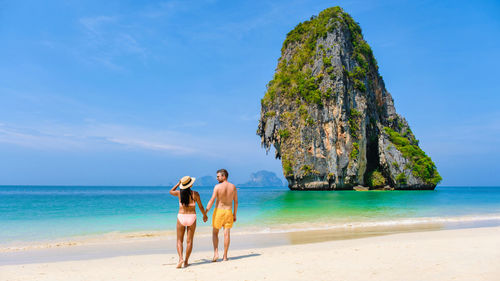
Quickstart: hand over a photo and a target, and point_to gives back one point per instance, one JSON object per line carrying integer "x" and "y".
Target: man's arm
{"x": 235, "y": 203}
{"x": 211, "y": 202}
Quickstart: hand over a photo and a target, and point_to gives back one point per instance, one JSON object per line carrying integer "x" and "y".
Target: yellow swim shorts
{"x": 222, "y": 218}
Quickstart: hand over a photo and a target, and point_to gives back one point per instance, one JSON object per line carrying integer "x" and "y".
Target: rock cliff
{"x": 330, "y": 118}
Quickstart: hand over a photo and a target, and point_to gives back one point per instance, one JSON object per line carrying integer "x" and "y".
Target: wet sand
{"x": 457, "y": 254}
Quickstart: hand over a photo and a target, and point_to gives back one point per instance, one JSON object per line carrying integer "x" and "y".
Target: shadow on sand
{"x": 205, "y": 261}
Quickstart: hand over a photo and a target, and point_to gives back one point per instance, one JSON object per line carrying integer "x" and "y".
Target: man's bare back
{"x": 225, "y": 194}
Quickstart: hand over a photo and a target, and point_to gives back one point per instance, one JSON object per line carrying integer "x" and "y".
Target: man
{"x": 225, "y": 193}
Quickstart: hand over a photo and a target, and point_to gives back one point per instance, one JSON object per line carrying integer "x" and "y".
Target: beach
{"x": 456, "y": 254}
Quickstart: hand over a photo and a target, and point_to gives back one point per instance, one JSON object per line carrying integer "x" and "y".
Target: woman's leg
{"x": 189, "y": 247}
{"x": 180, "y": 240}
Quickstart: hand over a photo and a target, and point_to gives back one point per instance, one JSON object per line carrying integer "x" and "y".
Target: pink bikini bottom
{"x": 186, "y": 219}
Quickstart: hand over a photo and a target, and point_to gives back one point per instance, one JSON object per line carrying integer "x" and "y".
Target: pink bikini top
{"x": 190, "y": 204}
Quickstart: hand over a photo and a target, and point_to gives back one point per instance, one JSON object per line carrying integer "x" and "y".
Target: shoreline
{"x": 145, "y": 243}
{"x": 457, "y": 254}
{"x": 205, "y": 230}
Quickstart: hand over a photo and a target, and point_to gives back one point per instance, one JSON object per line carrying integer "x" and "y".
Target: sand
{"x": 460, "y": 254}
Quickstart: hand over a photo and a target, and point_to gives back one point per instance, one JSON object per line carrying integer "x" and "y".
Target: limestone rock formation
{"x": 330, "y": 118}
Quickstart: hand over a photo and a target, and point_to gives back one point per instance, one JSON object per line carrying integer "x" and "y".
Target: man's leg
{"x": 227, "y": 238}
{"x": 215, "y": 240}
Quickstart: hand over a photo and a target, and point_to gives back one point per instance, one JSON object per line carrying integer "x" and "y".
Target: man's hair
{"x": 224, "y": 172}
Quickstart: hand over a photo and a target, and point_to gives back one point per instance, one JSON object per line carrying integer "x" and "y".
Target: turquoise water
{"x": 38, "y": 213}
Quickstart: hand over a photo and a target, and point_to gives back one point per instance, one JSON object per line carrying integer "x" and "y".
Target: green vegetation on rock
{"x": 287, "y": 166}
{"x": 294, "y": 78}
{"x": 421, "y": 165}
{"x": 270, "y": 113}
{"x": 308, "y": 170}
{"x": 316, "y": 27}
{"x": 359, "y": 85}
{"x": 355, "y": 151}
{"x": 284, "y": 133}
{"x": 376, "y": 179}
{"x": 401, "y": 178}
{"x": 354, "y": 120}
{"x": 356, "y": 75}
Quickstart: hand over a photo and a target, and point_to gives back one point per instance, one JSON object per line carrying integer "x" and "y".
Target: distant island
{"x": 263, "y": 179}
{"x": 205, "y": 181}
{"x": 330, "y": 118}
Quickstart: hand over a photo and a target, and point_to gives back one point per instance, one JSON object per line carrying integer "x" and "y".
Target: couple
{"x": 225, "y": 193}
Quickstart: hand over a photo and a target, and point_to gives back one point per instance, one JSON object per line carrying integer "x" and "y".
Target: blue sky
{"x": 144, "y": 92}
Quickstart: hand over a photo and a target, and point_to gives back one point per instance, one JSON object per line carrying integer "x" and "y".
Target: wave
{"x": 96, "y": 239}
{"x": 205, "y": 231}
{"x": 300, "y": 227}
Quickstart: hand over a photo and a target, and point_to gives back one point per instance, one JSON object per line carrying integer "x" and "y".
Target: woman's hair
{"x": 185, "y": 195}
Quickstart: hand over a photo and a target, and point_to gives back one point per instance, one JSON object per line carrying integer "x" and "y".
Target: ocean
{"x": 52, "y": 213}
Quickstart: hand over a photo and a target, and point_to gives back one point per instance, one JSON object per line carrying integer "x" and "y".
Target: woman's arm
{"x": 175, "y": 192}
{"x": 198, "y": 200}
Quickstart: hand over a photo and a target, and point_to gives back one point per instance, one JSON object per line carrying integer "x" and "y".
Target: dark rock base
{"x": 321, "y": 185}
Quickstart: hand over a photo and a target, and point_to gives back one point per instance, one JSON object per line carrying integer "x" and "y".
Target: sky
{"x": 145, "y": 92}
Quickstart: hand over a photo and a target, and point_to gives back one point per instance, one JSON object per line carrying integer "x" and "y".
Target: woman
{"x": 187, "y": 216}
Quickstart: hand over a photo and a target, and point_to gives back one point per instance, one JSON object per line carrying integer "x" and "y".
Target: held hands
{"x": 205, "y": 218}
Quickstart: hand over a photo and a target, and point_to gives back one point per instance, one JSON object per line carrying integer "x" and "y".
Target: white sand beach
{"x": 461, "y": 254}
